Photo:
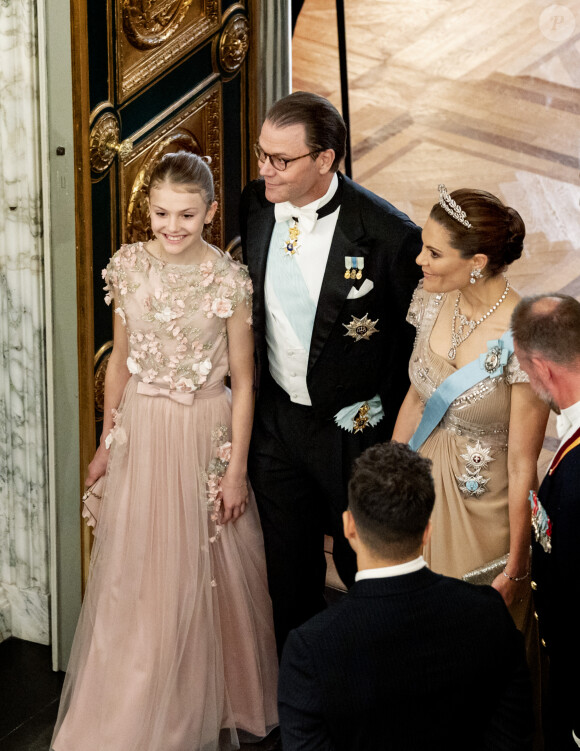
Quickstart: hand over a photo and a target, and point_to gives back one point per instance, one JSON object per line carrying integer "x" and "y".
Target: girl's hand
{"x": 234, "y": 497}
{"x": 511, "y": 591}
{"x": 98, "y": 465}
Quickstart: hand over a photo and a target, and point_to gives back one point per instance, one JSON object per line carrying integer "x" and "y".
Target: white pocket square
{"x": 363, "y": 290}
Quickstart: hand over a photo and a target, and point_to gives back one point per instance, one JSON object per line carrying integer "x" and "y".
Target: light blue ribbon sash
{"x": 288, "y": 283}
{"x": 498, "y": 353}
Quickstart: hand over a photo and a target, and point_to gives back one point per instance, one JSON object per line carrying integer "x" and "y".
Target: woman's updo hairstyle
{"x": 187, "y": 170}
{"x": 496, "y": 230}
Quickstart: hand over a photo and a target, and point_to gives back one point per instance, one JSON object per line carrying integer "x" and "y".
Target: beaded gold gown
{"x": 469, "y": 453}
{"x": 175, "y": 648}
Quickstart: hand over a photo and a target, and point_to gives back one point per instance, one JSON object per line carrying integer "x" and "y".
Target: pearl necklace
{"x": 458, "y": 336}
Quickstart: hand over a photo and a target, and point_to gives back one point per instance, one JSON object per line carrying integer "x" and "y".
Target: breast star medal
{"x": 361, "y": 328}
{"x": 477, "y": 458}
{"x": 291, "y": 245}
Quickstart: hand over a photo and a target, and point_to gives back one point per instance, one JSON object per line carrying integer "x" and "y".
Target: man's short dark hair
{"x": 325, "y": 128}
{"x": 548, "y": 325}
{"x": 391, "y": 497}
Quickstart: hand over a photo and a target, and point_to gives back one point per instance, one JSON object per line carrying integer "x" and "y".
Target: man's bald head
{"x": 548, "y": 326}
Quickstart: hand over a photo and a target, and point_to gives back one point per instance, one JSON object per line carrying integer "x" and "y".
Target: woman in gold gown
{"x": 485, "y": 447}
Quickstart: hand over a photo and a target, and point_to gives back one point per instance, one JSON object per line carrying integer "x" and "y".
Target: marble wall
{"x": 274, "y": 50}
{"x": 24, "y": 600}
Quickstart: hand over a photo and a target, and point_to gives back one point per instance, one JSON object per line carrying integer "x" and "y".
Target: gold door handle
{"x": 123, "y": 149}
{"x": 104, "y": 143}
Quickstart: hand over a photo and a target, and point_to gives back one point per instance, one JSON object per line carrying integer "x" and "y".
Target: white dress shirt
{"x": 568, "y": 421}
{"x": 386, "y": 571}
{"x": 287, "y": 357}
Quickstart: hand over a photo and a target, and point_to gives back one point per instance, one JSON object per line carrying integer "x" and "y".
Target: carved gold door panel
{"x": 151, "y": 76}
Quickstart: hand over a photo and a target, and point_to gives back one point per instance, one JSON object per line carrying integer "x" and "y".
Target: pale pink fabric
{"x": 174, "y": 650}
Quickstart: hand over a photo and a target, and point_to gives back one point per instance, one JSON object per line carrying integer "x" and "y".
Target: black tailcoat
{"x": 342, "y": 371}
{"x": 300, "y": 460}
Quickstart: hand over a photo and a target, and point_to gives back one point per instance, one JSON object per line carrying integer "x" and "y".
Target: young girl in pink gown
{"x": 174, "y": 650}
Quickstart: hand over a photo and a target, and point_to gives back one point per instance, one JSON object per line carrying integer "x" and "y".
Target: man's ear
{"x": 349, "y": 528}
{"x": 348, "y": 525}
{"x": 325, "y": 160}
{"x": 543, "y": 369}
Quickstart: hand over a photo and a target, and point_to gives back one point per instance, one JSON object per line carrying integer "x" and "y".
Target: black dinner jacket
{"x": 341, "y": 370}
{"x": 406, "y": 663}
{"x": 556, "y": 576}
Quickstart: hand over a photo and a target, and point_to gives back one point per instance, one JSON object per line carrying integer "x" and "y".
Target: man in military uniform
{"x": 546, "y": 332}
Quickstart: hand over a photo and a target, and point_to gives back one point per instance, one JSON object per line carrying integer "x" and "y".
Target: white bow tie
{"x": 306, "y": 216}
{"x": 563, "y": 424}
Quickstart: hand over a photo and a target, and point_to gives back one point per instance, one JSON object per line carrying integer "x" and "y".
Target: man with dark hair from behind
{"x": 408, "y": 659}
{"x": 546, "y": 331}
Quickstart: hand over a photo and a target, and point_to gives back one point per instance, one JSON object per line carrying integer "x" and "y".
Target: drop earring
{"x": 475, "y": 275}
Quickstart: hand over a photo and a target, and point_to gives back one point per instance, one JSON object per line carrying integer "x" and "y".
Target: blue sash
{"x": 290, "y": 288}
{"x": 491, "y": 363}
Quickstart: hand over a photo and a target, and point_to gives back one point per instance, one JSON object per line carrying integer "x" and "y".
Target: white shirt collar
{"x": 332, "y": 188}
{"x": 568, "y": 421}
{"x": 318, "y": 203}
{"x": 306, "y": 215}
{"x": 387, "y": 571}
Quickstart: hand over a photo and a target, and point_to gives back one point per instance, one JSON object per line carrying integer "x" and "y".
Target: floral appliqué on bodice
{"x": 479, "y": 416}
{"x": 175, "y": 315}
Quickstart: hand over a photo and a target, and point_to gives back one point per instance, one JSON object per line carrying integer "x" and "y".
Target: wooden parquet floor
{"x": 464, "y": 93}
{"x": 483, "y": 95}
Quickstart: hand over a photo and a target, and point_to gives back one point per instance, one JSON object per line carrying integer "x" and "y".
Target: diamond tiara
{"x": 452, "y": 208}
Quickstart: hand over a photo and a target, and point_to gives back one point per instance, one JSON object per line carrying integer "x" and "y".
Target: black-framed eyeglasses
{"x": 279, "y": 163}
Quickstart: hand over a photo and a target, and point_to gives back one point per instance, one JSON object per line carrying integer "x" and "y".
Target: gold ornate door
{"x": 151, "y": 76}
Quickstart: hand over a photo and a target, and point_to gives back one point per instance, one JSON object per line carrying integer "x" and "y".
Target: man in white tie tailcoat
{"x": 333, "y": 269}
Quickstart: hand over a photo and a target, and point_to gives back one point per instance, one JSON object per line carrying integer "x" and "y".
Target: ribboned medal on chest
{"x": 541, "y": 523}
{"x": 353, "y": 267}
